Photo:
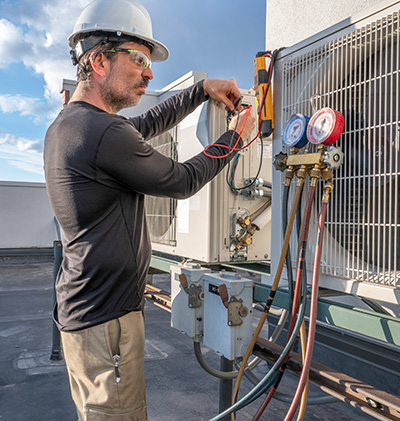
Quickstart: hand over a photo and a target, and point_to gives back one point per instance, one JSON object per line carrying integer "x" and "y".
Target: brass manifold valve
{"x": 326, "y": 157}
{"x": 246, "y": 239}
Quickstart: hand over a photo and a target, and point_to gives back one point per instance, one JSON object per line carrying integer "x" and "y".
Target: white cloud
{"x": 23, "y": 159}
{"x": 25, "y": 106}
{"x": 35, "y": 34}
{"x": 20, "y": 144}
{"x": 11, "y": 43}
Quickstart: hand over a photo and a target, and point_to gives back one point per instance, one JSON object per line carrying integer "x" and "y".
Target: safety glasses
{"x": 136, "y": 56}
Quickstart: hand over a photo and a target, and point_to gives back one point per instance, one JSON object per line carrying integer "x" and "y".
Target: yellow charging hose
{"x": 304, "y": 397}
{"x": 297, "y": 195}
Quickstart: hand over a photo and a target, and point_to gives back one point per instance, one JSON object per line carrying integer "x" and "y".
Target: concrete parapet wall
{"x": 26, "y": 217}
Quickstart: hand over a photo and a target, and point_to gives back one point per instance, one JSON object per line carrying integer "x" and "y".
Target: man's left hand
{"x": 223, "y": 90}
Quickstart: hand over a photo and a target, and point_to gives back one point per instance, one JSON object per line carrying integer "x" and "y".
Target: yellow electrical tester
{"x": 263, "y": 89}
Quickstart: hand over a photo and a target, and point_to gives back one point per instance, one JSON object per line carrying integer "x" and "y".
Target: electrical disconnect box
{"x": 228, "y": 314}
{"x": 187, "y": 298}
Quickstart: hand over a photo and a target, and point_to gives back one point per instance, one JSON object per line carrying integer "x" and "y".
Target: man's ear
{"x": 98, "y": 64}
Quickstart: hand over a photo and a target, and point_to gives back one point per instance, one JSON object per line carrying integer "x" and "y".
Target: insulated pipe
{"x": 261, "y": 209}
{"x": 313, "y": 307}
{"x": 274, "y": 287}
{"x": 263, "y": 218}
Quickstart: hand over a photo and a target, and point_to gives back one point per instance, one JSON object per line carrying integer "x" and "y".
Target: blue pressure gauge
{"x": 294, "y": 133}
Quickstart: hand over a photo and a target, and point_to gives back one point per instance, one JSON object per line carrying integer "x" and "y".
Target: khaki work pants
{"x": 101, "y": 391}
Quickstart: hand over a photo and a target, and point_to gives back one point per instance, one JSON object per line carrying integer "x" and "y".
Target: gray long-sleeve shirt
{"x": 98, "y": 168}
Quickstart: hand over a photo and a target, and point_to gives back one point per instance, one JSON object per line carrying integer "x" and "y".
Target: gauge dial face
{"x": 322, "y": 127}
{"x": 325, "y": 127}
{"x": 294, "y": 132}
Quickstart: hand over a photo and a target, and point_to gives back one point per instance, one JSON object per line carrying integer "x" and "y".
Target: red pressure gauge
{"x": 325, "y": 127}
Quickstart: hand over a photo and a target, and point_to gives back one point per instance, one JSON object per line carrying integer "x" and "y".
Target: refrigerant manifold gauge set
{"x": 324, "y": 127}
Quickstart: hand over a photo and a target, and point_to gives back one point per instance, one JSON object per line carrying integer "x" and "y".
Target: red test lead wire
{"x": 228, "y": 147}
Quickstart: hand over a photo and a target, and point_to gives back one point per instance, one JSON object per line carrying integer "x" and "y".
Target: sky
{"x": 220, "y": 37}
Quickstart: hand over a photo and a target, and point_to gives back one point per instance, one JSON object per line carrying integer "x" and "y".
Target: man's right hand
{"x": 248, "y": 127}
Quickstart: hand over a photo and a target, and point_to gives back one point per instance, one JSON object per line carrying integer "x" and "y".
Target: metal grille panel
{"x": 359, "y": 75}
{"x": 161, "y": 211}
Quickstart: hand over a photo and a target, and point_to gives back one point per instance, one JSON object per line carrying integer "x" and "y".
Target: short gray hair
{"x": 84, "y": 70}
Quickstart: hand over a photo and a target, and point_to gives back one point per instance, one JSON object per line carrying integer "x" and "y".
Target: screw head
{"x": 373, "y": 403}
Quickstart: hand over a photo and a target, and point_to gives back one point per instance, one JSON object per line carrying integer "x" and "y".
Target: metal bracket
{"x": 195, "y": 292}
{"x": 195, "y": 296}
{"x": 236, "y": 310}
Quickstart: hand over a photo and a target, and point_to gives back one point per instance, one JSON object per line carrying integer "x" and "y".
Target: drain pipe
{"x": 56, "y": 354}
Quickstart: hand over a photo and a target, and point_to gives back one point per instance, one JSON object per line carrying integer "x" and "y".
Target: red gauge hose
{"x": 297, "y": 293}
{"x": 273, "y": 290}
{"x": 313, "y": 316}
{"x": 302, "y": 256}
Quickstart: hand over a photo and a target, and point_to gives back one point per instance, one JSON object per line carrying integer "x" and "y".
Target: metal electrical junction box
{"x": 187, "y": 298}
{"x": 227, "y": 325}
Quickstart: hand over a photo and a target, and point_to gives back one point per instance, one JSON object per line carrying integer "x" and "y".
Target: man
{"x": 98, "y": 168}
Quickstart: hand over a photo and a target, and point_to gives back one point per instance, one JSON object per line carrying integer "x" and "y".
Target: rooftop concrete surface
{"x": 33, "y": 388}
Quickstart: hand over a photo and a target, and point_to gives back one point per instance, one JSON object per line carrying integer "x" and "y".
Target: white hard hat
{"x": 114, "y": 20}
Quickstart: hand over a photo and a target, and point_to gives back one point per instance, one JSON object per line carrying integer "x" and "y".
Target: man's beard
{"x": 117, "y": 101}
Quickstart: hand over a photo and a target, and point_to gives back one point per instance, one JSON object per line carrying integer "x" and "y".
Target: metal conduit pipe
{"x": 213, "y": 371}
{"x": 260, "y": 182}
{"x": 283, "y": 316}
{"x": 280, "y": 325}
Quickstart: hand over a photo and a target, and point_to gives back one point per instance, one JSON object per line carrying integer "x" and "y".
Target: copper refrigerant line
{"x": 311, "y": 165}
